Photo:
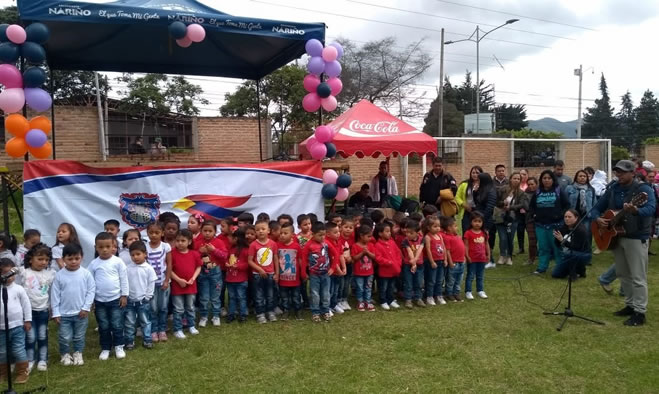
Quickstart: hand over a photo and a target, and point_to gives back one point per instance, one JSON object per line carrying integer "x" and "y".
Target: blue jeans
{"x": 609, "y": 276}
{"x": 347, "y": 279}
{"x": 159, "y": 304}
{"x": 412, "y": 282}
{"x": 72, "y": 329}
{"x": 138, "y": 311}
{"x": 364, "y": 288}
{"x": 264, "y": 298}
{"x": 506, "y": 232}
{"x": 237, "y": 298}
{"x": 16, "y": 345}
{"x": 223, "y": 291}
{"x": 320, "y": 293}
{"x": 478, "y": 270}
{"x": 547, "y": 246}
{"x": 336, "y": 289}
{"x": 578, "y": 259}
{"x": 290, "y": 297}
{"x": 434, "y": 278}
{"x": 210, "y": 288}
{"x": 37, "y": 338}
{"x": 386, "y": 290}
{"x": 454, "y": 279}
{"x": 110, "y": 319}
{"x": 183, "y": 305}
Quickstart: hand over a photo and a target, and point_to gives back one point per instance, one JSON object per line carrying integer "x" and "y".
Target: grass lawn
{"x": 503, "y": 344}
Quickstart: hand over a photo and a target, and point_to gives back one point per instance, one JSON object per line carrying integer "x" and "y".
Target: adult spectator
{"x": 631, "y": 250}
{"x": 562, "y": 179}
{"x": 158, "y": 150}
{"x": 137, "y": 147}
{"x": 485, "y": 199}
{"x": 521, "y": 215}
{"x": 438, "y": 187}
{"x": 510, "y": 200}
{"x": 361, "y": 200}
{"x": 465, "y": 196}
{"x": 383, "y": 185}
{"x": 500, "y": 183}
{"x": 582, "y": 197}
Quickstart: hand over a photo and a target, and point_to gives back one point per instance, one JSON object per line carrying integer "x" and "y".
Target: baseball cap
{"x": 625, "y": 166}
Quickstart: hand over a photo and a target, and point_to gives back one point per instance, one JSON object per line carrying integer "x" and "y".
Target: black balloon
{"x": 329, "y": 191}
{"x": 178, "y": 30}
{"x": 34, "y": 77}
{"x": 37, "y": 32}
{"x": 344, "y": 180}
{"x": 9, "y": 52}
{"x": 33, "y": 52}
{"x": 323, "y": 90}
{"x": 331, "y": 150}
{"x": 3, "y": 32}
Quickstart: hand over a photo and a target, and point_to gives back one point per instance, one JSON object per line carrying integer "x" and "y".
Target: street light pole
{"x": 580, "y": 71}
{"x": 440, "y": 99}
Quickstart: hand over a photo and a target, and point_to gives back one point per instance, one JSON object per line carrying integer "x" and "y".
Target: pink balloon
{"x": 10, "y": 76}
{"x": 311, "y": 82}
{"x": 196, "y": 32}
{"x": 342, "y": 194}
{"x": 16, "y": 34}
{"x": 335, "y": 85}
{"x": 329, "y": 177}
{"x": 329, "y": 104}
{"x": 330, "y": 54}
{"x": 184, "y": 42}
{"x": 311, "y": 102}
{"x": 311, "y": 142}
{"x": 13, "y": 100}
{"x": 318, "y": 151}
{"x": 323, "y": 134}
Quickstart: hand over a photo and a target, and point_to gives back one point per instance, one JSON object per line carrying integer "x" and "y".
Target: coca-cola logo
{"x": 379, "y": 127}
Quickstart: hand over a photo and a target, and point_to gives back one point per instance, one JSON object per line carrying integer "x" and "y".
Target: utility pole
{"x": 440, "y": 99}
{"x": 478, "y": 81}
{"x": 579, "y": 72}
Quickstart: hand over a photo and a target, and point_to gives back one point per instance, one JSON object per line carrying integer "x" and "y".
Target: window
{"x": 450, "y": 150}
{"x": 123, "y": 129}
{"x": 535, "y": 153}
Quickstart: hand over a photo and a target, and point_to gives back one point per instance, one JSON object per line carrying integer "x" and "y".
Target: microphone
{"x": 9, "y": 274}
{"x": 614, "y": 180}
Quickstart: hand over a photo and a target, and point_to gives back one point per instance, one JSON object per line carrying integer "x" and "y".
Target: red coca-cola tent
{"x": 366, "y": 130}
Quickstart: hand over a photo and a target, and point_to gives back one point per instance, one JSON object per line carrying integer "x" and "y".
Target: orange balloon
{"x": 42, "y": 153}
{"x": 17, "y": 125}
{"x": 16, "y": 147}
{"x": 41, "y": 123}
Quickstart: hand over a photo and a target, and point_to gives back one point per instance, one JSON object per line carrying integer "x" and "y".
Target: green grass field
{"x": 503, "y": 344}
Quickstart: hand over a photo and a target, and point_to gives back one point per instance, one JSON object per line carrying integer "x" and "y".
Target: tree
{"x": 626, "y": 119}
{"x": 180, "y": 96}
{"x": 77, "y": 88}
{"x": 647, "y": 116}
{"x": 598, "y": 121}
{"x": 511, "y": 117}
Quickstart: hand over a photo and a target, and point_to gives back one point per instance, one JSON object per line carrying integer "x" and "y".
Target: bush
{"x": 651, "y": 141}
{"x": 619, "y": 153}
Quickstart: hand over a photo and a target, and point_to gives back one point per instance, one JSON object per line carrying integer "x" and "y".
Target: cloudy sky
{"x": 538, "y": 54}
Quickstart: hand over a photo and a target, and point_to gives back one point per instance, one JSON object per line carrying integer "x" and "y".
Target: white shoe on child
{"x": 105, "y": 354}
{"x": 469, "y": 296}
{"x": 430, "y": 301}
{"x": 179, "y": 334}
{"x": 490, "y": 265}
{"x": 42, "y": 366}
{"x": 66, "y": 360}
{"x": 216, "y": 321}
{"x": 119, "y": 352}
{"x": 77, "y": 359}
{"x": 30, "y": 366}
{"x": 394, "y": 304}
{"x": 338, "y": 309}
{"x": 345, "y": 306}
{"x": 385, "y": 306}
{"x": 193, "y": 331}
{"x": 203, "y": 321}
{"x": 482, "y": 294}
{"x": 441, "y": 300}
{"x": 331, "y": 313}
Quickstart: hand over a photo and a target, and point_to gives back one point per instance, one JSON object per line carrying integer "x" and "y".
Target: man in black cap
{"x": 631, "y": 250}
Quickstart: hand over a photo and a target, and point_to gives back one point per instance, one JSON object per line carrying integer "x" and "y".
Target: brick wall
{"x": 651, "y": 153}
{"x": 231, "y": 140}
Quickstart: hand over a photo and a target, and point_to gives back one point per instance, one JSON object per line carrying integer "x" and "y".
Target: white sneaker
{"x": 105, "y": 354}
{"x": 501, "y": 261}
{"x": 193, "y": 331}
{"x": 385, "y": 307}
{"x": 66, "y": 359}
{"x": 338, "y": 309}
{"x": 345, "y": 306}
{"x": 331, "y": 313}
{"x": 119, "y": 352}
{"x": 30, "y": 366}
{"x": 469, "y": 296}
{"x": 278, "y": 311}
{"x": 394, "y": 304}
{"x": 441, "y": 300}
{"x": 43, "y": 366}
{"x": 77, "y": 359}
{"x": 179, "y": 334}
{"x": 430, "y": 301}
{"x": 490, "y": 265}
{"x": 216, "y": 321}
{"x": 509, "y": 261}
{"x": 482, "y": 294}
{"x": 203, "y": 321}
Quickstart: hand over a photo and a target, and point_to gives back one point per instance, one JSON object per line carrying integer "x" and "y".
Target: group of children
{"x": 262, "y": 264}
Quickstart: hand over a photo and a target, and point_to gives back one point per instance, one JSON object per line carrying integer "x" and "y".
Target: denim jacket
{"x": 573, "y": 197}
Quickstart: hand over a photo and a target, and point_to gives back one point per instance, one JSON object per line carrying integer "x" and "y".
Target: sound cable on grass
{"x": 519, "y": 290}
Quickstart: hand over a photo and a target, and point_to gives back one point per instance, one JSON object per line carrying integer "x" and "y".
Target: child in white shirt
{"x": 141, "y": 281}
{"x": 31, "y": 237}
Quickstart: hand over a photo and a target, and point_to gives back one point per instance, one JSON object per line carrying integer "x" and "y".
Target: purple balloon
{"x": 339, "y": 49}
{"x": 38, "y": 99}
{"x": 316, "y": 65}
{"x": 314, "y": 47}
{"x": 35, "y": 138}
{"x": 333, "y": 69}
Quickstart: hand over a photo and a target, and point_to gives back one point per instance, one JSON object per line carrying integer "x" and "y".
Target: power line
{"x": 456, "y": 19}
{"x": 543, "y": 95}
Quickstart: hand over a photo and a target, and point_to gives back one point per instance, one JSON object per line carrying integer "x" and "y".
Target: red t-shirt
{"x": 436, "y": 247}
{"x": 454, "y": 244}
{"x": 184, "y": 266}
{"x": 319, "y": 257}
{"x": 388, "y": 258}
{"x": 218, "y": 257}
{"x": 414, "y": 246}
{"x": 363, "y": 266}
{"x": 290, "y": 270}
{"x": 399, "y": 238}
{"x": 477, "y": 246}
{"x": 225, "y": 241}
{"x": 237, "y": 266}
{"x": 338, "y": 249}
{"x": 264, "y": 254}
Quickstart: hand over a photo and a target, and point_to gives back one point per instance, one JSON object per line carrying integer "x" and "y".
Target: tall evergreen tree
{"x": 598, "y": 121}
{"x": 626, "y": 117}
{"x": 511, "y": 117}
{"x": 647, "y": 116}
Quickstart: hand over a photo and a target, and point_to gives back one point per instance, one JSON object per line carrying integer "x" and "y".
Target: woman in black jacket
{"x": 485, "y": 199}
{"x": 574, "y": 242}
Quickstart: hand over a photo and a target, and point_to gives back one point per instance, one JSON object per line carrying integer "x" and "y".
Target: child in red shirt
{"x": 237, "y": 274}
{"x": 434, "y": 262}
{"x": 477, "y": 254}
{"x": 455, "y": 254}
{"x": 413, "y": 264}
{"x": 333, "y": 238}
{"x": 322, "y": 260}
{"x": 389, "y": 260}
{"x": 347, "y": 240}
{"x": 194, "y": 225}
{"x": 264, "y": 262}
{"x": 186, "y": 266}
{"x": 363, "y": 268}
{"x": 213, "y": 256}
{"x": 290, "y": 272}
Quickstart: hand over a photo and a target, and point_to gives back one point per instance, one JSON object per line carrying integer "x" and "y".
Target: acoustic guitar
{"x": 604, "y": 236}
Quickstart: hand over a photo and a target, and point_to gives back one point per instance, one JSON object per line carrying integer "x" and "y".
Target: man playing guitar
{"x": 631, "y": 250}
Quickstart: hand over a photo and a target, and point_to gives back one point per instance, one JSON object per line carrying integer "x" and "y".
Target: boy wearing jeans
{"x": 19, "y": 313}
{"x": 322, "y": 260}
{"x": 71, "y": 298}
{"x": 141, "y": 282}
{"x": 264, "y": 262}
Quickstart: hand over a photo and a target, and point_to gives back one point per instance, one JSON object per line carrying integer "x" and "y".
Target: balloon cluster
{"x": 320, "y": 146}
{"x": 335, "y": 185}
{"x": 324, "y": 60}
{"x": 23, "y": 88}
{"x": 29, "y": 136}
{"x": 186, "y": 35}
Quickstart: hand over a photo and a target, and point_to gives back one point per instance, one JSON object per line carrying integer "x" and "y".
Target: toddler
{"x": 236, "y": 276}
{"x": 263, "y": 260}
{"x": 141, "y": 282}
{"x": 477, "y": 254}
{"x": 186, "y": 266}
{"x": 19, "y": 313}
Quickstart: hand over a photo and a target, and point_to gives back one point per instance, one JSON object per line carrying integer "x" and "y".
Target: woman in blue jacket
{"x": 582, "y": 198}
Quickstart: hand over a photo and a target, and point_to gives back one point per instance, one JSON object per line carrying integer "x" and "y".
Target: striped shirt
{"x": 157, "y": 258}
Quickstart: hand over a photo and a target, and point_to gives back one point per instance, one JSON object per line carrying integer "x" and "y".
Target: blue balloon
{"x": 344, "y": 180}
{"x": 331, "y": 150}
{"x": 3, "y": 32}
{"x": 37, "y": 32}
{"x": 178, "y": 30}
{"x": 329, "y": 191}
{"x": 34, "y": 77}
{"x": 9, "y": 52}
{"x": 33, "y": 52}
{"x": 323, "y": 90}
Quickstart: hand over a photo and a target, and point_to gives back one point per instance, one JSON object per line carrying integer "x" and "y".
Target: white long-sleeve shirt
{"x": 141, "y": 281}
{"x": 18, "y": 307}
{"x": 110, "y": 277}
{"x": 72, "y": 292}
{"x": 37, "y": 286}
